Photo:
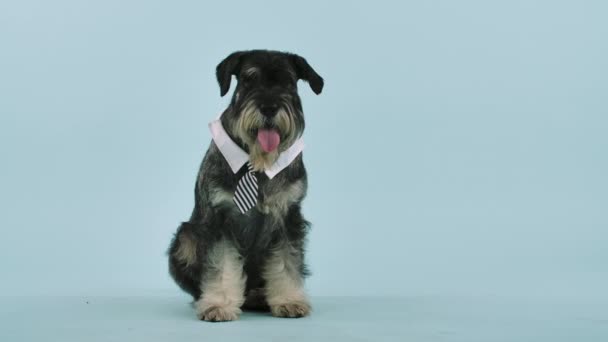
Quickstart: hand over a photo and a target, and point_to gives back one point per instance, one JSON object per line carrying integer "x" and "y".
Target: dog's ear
{"x": 224, "y": 71}
{"x": 305, "y": 72}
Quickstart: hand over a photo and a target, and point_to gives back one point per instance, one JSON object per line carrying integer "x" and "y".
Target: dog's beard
{"x": 251, "y": 120}
{"x": 261, "y": 160}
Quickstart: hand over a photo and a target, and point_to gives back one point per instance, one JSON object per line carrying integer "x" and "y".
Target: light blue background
{"x": 459, "y": 147}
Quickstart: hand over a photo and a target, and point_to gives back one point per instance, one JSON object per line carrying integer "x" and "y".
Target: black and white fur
{"x": 227, "y": 260}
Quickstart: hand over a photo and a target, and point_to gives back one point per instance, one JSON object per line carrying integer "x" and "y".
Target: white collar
{"x": 236, "y": 157}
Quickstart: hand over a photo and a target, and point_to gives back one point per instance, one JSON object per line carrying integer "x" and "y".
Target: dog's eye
{"x": 248, "y": 80}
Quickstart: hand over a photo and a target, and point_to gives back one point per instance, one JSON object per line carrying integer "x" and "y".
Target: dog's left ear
{"x": 224, "y": 71}
{"x": 305, "y": 72}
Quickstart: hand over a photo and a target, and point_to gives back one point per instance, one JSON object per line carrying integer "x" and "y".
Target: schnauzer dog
{"x": 243, "y": 246}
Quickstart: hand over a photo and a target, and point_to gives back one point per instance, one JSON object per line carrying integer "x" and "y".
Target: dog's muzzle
{"x": 268, "y": 137}
{"x": 269, "y": 110}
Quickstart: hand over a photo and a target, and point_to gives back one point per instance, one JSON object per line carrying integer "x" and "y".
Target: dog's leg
{"x": 284, "y": 283}
{"x": 223, "y": 285}
{"x": 184, "y": 264}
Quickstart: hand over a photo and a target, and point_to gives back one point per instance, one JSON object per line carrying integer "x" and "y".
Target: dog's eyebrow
{"x": 250, "y": 71}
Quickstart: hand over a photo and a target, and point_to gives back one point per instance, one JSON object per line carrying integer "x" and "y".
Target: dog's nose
{"x": 269, "y": 110}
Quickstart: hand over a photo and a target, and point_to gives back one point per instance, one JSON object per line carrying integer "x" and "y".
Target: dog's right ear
{"x": 224, "y": 71}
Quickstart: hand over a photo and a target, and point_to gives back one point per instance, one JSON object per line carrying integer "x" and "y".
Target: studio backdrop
{"x": 457, "y": 147}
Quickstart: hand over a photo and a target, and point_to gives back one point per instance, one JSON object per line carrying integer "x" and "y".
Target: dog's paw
{"x": 291, "y": 310}
{"x": 219, "y": 314}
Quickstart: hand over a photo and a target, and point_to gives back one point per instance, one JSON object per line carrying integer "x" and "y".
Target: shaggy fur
{"x": 227, "y": 260}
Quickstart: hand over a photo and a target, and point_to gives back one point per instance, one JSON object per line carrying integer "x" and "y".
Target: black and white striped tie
{"x": 246, "y": 194}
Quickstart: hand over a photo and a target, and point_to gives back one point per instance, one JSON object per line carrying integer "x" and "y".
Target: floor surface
{"x": 334, "y": 319}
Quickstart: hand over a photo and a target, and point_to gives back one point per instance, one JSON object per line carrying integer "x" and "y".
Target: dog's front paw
{"x": 219, "y": 314}
{"x": 291, "y": 310}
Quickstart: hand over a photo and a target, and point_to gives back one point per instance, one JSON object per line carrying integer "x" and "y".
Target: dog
{"x": 244, "y": 245}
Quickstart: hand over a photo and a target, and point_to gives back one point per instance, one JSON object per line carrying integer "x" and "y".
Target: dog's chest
{"x": 276, "y": 197}
{"x": 254, "y": 229}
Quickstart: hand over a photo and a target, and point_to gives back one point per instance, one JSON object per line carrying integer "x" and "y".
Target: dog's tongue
{"x": 269, "y": 139}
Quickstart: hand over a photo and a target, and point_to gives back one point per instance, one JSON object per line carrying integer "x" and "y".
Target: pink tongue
{"x": 269, "y": 139}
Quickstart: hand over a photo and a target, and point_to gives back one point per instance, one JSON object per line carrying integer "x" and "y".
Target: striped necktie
{"x": 246, "y": 194}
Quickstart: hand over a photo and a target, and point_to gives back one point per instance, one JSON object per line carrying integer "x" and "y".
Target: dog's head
{"x": 265, "y": 114}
